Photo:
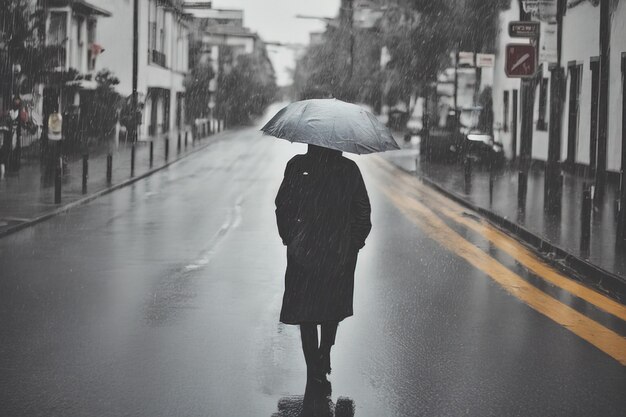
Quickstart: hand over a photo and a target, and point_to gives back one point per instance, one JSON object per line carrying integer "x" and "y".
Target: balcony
{"x": 158, "y": 58}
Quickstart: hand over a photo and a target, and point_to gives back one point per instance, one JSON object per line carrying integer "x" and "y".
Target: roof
{"x": 80, "y": 6}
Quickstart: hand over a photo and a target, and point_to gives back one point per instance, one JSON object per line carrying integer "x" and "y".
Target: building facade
{"x": 590, "y": 139}
{"x": 70, "y": 35}
{"x": 163, "y": 59}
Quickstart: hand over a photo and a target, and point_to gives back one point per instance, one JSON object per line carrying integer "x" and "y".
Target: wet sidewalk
{"x": 29, "y": 193}
{"x": 497, "y": 193}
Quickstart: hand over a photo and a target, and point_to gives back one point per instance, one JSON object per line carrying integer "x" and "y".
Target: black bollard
{"x": 178, "y": 146}
{"x": 58, "y": 172}
{"x": 85, "y": 172}
{"x": 522, "y": 187}
{"x": 467, "y": 173}
{"x": 585, "y": 218}
{"x": 132, "y": 160}
{"x": 109, "y": 168}
{"x": 491, "y": 181}
{"x": 467, "y": 168}
{"x": 167, "y": 148}
{"x": 151, "y": 152}
{"x": 185, "y": 141}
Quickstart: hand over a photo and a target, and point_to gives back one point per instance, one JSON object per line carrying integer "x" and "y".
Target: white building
{"x": 580, "y": 146}
{"x": 71, "y": 32}
{"x": 163, "y": 59}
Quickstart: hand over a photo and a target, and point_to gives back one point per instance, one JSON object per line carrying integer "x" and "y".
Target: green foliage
{"x": 100, "y": 116}
{"x": 325, "y": 70}
{"x": 245, "y": 89}
{"x": 419, "y": 35}
{"x": 197, "y": 85}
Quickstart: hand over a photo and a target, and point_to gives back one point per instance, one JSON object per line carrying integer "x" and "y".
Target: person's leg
{"x": 308, "y": 334}
{"x": 329, "y": 332}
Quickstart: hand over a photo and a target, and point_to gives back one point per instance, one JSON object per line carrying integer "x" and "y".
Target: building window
{"x": 505, "y": 110}
{"x": 57, "y": 36}
{"x": 156, "y": 35}
{"x": 594, "y": 66}
{"x": 543, "y": 107}
{"x": 80, "y": 44}
{"x": 93, "y": 49}
{"x": 152, "y": 28}
{"x": 575, "y": 74}
{"x": 162, "y": 31}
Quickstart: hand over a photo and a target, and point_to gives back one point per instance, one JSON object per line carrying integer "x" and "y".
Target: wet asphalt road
{"x": 162, "y": 299}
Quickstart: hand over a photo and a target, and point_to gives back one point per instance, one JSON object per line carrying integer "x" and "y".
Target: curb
{"x": 104, "y": 191}
{"x": 580, "y": 269}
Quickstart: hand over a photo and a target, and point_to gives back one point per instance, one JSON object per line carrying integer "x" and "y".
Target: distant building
{"x": 163, "y": 59}
{"x": 223, "y": 38}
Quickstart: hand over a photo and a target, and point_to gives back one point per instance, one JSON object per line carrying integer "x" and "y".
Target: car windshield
{"x": 469, "y": 117}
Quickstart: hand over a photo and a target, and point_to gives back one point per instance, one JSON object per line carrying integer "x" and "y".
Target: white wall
{"x": 502, "y": 83}
{"x": 116, "y": 36}
{"x": 581, "y": 41}
{"x": 618, "y": 45}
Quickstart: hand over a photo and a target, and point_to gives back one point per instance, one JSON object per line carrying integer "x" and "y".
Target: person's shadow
{"x": 315, "y": 402}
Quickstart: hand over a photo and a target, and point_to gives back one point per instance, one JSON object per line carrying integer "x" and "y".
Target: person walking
{"x": 323, "y": 217}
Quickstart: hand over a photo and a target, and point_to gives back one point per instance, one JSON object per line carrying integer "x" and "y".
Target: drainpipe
{"x": 603, "y": 103}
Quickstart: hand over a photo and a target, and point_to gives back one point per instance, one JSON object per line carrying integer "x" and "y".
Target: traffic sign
{"x": 520, "y": 60}
{"x": 524, "y": 29}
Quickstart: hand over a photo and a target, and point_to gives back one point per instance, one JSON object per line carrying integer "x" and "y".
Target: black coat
{"x": 323, "y": 216}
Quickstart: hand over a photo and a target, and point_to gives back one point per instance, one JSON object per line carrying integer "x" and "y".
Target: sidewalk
{"x": 26, "y": 195}
{"x": 561, "y": 230}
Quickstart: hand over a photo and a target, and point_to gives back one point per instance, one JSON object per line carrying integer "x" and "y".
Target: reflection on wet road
{"x": 162, "y": 299}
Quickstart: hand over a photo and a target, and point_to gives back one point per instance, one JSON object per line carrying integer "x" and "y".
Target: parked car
{"x": 465, "y": 138}
{"x": 477, "y": 141}
{"x": 442, "y": 142}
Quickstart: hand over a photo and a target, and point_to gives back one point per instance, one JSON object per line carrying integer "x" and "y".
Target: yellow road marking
{"x": 604, "y": 339}
{"x": 523, "y": 255}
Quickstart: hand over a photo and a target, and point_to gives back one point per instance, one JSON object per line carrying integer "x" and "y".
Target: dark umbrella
{"x": 333, "y": 124}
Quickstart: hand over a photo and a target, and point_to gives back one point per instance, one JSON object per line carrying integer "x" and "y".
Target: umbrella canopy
{"x": 333, "y": 124}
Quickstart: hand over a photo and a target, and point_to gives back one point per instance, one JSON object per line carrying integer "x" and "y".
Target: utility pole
{"x": 351, "y": 33}
{"x": 134, "y": 98}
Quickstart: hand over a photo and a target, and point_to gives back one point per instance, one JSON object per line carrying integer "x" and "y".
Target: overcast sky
{"x": 275, "y": 20}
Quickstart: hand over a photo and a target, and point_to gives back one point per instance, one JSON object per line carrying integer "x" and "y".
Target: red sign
{"x": 521, "y": 60}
